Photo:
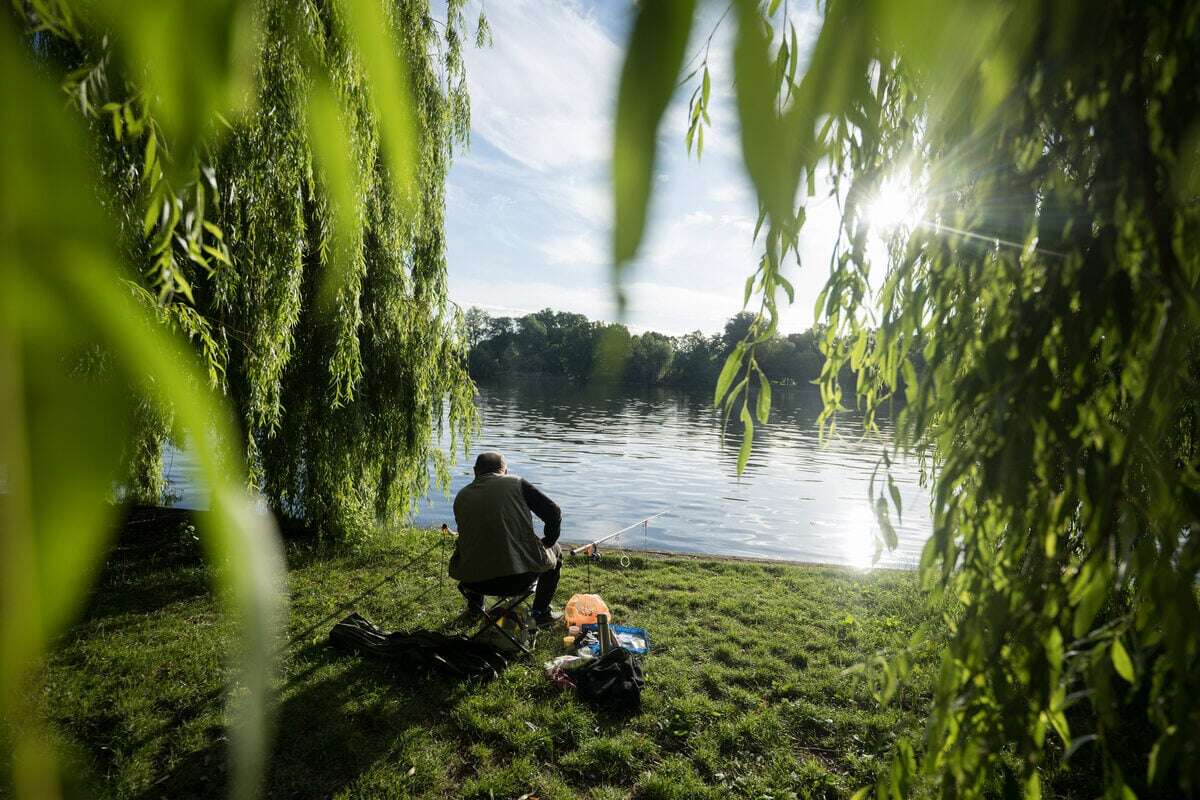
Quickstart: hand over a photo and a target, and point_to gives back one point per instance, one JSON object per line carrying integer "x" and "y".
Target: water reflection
{"x": 611, "y": 458}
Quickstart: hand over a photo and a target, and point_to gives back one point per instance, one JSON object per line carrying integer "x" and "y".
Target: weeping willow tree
{"x": 298, "y": 241}
{"x": 1030, "y": 175}
{"x": 231, "y": 231}
{"x": 340, "y": 409}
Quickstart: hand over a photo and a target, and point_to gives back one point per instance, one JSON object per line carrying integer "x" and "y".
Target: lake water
{"x": 611, "y": 458}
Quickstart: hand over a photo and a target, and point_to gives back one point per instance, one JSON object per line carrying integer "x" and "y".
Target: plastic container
{"x": 582, "y": 609}
{"x": 633, "y": 639}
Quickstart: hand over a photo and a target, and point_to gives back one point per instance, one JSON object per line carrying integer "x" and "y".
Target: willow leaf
{"x": 387, "y": 72}
{"x": 732, "y": 363}
{"x": 764, "y": 397}
{"x": 652, "y": 65}
{"x": 747, "y": 439}
{"x": 1121, "y": 661}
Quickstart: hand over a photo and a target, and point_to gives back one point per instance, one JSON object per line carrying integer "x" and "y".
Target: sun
{"x": 895, "y": 205}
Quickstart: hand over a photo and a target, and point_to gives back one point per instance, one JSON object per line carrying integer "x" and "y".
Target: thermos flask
{"x": 602, "y": 633}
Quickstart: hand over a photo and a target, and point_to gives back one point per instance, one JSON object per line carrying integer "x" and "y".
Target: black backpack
{"x": 613, "y": 679}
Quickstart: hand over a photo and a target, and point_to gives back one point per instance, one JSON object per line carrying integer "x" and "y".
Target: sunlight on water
{"x": 610, "y": 459}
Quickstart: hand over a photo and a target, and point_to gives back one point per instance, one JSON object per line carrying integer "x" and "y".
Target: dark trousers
{"x": 508, "y": 585}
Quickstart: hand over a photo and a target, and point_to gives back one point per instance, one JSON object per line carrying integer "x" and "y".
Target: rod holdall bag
{"x": 420, "y": 650}
{"x": 615, "y": 679}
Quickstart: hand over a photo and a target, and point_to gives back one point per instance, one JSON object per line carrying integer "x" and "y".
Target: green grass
{"x": 746, "y": 693}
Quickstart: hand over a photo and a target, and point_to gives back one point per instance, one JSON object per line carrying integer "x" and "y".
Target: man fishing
{"x": 498, "y": 553}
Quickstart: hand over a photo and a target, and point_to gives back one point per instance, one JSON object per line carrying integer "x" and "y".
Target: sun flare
{"x": 895, "y": 205}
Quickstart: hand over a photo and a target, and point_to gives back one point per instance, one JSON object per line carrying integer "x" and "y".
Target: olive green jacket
{"x": 495, "y": 532}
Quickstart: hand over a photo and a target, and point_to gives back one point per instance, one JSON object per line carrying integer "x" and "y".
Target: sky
{"x": 529, "y": 202}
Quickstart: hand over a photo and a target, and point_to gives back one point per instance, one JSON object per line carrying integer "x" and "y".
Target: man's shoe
{"x": 545, "y": 619}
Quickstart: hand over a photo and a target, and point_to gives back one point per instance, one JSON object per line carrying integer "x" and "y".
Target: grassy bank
{"x": 746, "y": 691}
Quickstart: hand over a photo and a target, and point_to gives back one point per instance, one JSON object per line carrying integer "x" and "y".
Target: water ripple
{"x": 609, "y": 459}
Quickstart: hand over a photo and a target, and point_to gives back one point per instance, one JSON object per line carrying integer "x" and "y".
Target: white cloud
{"x": 547, "y": 80}
{"x": 702, "y": 248}
{"x": 591, "y": 199}
{"x": 530, "y": 207}
{"x": 730, "y": 192}
{"x": 577, "y": 250}
{"x": 596, "y": 302}
{"x": 679, "y": 309}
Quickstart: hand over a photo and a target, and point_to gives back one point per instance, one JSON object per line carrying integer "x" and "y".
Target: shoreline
{"x": 765, "y": 561}
{"x": 140, "y": 515}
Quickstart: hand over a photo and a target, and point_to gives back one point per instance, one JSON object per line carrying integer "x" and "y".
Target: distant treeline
{"x": 561, "y": 344}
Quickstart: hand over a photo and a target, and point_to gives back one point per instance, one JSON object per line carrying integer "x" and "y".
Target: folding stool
{"x": 504, "y": 606}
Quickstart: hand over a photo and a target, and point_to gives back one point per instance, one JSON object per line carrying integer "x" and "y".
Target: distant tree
{"x": 613, "y": 347}
{"x": 805, "y": 358}
{"x": 650, "y": 358}
{"x": 735, "y": 331}
{"x": 778, "y": 359}
{"x": 574, "y": 345}
{"x": 570, "y": 346}
{"x": 554, "y": 343}
{"x": 478, "y": 325}
{"x": 697, "y": 359}
{"x": 482, "y": 361}
{"x": 532, "y": 341}
{"x": 501, "y": 326}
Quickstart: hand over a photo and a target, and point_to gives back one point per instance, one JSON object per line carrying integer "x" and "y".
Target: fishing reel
{"x": 591, "y": 553}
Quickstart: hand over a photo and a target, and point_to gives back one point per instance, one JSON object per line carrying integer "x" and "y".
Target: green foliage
{"x": 145, "y": 481}
{"x": 550, "y": 343}
{"x": 302, "y": 250}
{"x": 648, "y": 80}
{"x": 1048, "y": 278}
{"x": 71, "y": 343}
{"x": 182, "y": 197}
{"x": 650, "y": 357}
{"x": 343, "y": 345}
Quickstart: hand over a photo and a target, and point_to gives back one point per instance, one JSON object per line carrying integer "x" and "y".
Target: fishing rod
{"x": 349, "y": 604}
{"x": 586, "y": 547}
{"x": 444, "y": 533}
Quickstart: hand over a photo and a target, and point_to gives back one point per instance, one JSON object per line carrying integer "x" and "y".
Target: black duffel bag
{"x": 419, "y": 650}
{"x": 614, "y": 679}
